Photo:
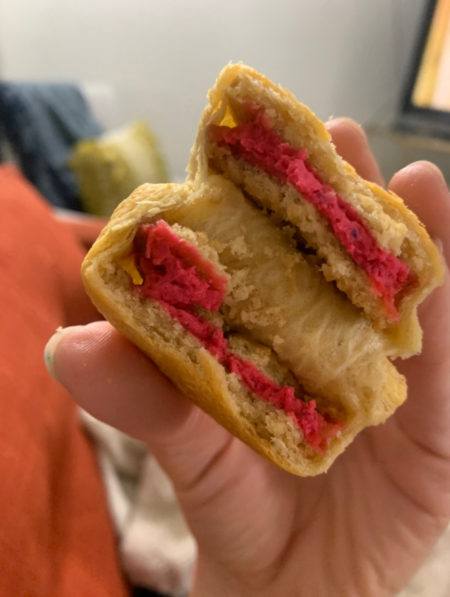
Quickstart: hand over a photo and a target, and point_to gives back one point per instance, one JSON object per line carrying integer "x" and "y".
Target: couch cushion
{"x": 111, "y": 166}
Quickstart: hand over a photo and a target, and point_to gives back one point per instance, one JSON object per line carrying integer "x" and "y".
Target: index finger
{"x": 352, "y": 144}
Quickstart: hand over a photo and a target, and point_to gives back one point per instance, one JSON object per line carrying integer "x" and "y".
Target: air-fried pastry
{"x": 274, "y": 284}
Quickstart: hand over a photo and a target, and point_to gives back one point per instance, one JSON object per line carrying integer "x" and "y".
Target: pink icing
{"x": 182, "y": 281}
{"x": 256, "y": 142}
{"x": 176, "y": 272}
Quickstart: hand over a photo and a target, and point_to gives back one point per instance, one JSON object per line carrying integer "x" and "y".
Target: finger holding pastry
{"x": 426, "y": 413}
{"x": 351, "y": 143}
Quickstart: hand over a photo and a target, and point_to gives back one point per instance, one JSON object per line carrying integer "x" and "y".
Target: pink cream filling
{"x": 256, "y": 142}
{"x": 177, "y": 276}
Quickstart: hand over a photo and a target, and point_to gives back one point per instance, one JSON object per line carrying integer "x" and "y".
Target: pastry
{"x": 259, "y": 136}
{"x": 219, "y": 297}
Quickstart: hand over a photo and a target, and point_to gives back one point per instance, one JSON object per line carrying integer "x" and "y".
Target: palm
{"x": 372, "y": 518}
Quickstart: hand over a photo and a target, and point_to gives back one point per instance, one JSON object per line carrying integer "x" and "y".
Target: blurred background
{"x": 154, "y": 61}
{"x": 96, "y": 97}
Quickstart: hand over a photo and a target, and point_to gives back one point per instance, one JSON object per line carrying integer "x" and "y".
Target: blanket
{"x": 41, "y": 123}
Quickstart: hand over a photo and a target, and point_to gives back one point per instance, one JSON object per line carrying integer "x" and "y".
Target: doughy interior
{"x": 191, "y": 290}
{"x": 383, "y": 298}
{"x": 276, "y": 299}
{"x": 255, "y": 142}
{"x": 278, "y": 312}
{"x": 273, "y": 426}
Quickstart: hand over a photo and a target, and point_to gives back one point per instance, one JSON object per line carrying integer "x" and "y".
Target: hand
{"x": 363, "y": 528}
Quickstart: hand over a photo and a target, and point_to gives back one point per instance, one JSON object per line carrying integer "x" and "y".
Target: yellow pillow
{"x": 109, "y": 167}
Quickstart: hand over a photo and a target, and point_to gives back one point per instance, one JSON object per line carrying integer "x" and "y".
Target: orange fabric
{"x": 85, "y": 230}
{"x": 56, "y": 537}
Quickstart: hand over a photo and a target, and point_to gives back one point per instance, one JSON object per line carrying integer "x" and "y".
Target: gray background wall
{"x": 159, "y": 57}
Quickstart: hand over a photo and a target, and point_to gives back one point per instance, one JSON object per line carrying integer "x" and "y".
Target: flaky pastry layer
{"x": 394, "y": 227}
{"x": 280, "y": 305}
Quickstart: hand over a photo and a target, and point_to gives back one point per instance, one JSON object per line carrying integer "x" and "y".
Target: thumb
{"x": 116, "y": 383}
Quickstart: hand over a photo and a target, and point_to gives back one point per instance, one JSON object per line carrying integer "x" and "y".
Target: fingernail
{"x": 439, "y": 244}
{"x": 52, "y": 344}
{"x": 442, "y": 250}
{"x": 440, "y": 247}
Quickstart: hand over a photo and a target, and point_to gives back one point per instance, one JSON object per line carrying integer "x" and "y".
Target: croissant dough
{"x": 330, "y": 347}
{"x": 394, "y": 227}
{"x": 280, "y": 310}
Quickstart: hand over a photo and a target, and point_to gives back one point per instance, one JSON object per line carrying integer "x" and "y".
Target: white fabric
{"x": 156, "y": 547}
{"x": 103, "y": 101}
{"x": 433, "y": 578}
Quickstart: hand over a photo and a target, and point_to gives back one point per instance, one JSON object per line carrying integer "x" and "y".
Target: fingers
{"x": 423, "y": 188}
{"x": 84, "y": 230}
{"x": 115, "y": 382}
{"x": 112, "y": 380}
{"x": 426, "y": 415}
{"x": 351, "y": 143}
{"x": 221, "y": 484}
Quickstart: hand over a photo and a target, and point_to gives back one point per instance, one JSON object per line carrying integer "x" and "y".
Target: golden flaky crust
{"x": 406, "y": 337}
{"x": 198, "y": 375}
{"x": 287, "y": 307}
{"x": 385, "y": 208}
